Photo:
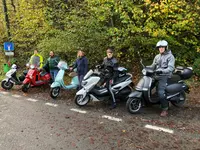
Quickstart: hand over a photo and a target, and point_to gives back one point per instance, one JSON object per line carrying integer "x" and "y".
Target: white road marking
{"x": 159, "y": 128}
{"x": 51, "y": 104}
{"x": 4, "y": 92}
{"x": 17, "y": 96}
{"x": 79, "y": 111}
{"x": 112, "y": 118}
{"x": 32, "y": 100}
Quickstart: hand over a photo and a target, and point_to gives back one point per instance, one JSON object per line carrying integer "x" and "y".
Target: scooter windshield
{"x": 89, "y": 73}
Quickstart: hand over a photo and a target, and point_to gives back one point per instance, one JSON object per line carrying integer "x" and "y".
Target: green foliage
{"x": 93, "y": 25}
{"x": 196, "y": 67}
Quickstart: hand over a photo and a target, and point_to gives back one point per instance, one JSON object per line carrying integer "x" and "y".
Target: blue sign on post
{"x": 8, "y": 46}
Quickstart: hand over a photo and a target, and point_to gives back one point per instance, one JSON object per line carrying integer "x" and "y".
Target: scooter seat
{"x": 43, "y": 74}
{"x": 174, "y": 79}
{"x": 121, "y": 79}
{"x": 174, "y": 88}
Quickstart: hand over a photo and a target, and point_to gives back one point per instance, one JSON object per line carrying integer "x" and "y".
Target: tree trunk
{"x": 13, "y": 5}
{"x": 6, "y": 18}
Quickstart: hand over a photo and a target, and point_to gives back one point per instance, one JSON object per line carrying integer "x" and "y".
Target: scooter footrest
{"x": 39, "y": 82}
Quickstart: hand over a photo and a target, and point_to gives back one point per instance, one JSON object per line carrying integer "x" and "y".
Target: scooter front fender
{"x": 137, "y": 94}
{"x": 55, "y": 84}
{"x": 82, "y": 92}
{"x": 26, "y": 80}
{"x": 8, "y": 79}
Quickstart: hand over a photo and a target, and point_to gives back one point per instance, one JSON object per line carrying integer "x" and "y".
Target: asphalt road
{"x": 39, "y": 124}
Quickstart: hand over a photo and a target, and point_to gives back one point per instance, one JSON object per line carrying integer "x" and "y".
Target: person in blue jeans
{"x": 51, "y": 65}
{"x": 81, "y": 64}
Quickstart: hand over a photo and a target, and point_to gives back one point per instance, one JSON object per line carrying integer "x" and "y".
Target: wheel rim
{"x": 55, "y": 92}
{"x": 82, "y": 101}
{"x": 135, "y": 105}
{"x": 7, "y": 85}
{"x": 25, "y": 87}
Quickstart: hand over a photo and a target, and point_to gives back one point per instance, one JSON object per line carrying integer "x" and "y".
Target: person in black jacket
{"x": 110, "y": 66}
{"x": 81, "y": 64}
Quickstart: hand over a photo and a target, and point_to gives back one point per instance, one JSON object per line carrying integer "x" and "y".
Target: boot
{"x": 164, "y": 113}
{"x": 113, "y": 106}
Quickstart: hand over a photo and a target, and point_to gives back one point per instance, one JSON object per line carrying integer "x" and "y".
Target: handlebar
{"x": 141, "y": 62}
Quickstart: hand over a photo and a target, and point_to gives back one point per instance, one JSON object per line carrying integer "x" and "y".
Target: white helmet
{"x": 14, "y": 66}
{"x": 162, "y": 43}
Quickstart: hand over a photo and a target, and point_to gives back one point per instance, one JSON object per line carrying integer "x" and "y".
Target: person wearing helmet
{"x": 110, "y": 66}
{"x": 163, "y": 64}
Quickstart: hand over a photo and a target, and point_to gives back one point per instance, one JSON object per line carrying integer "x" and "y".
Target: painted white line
{"x": 4, "y": 92}
{"x": 112, "y": 118}
{"x": 79, "y": 111}
{"x": 159, "y": 128}
{"x": 32, "y": 100}
{"x": 51, "y": 104}
{"x": 17, "y": 96}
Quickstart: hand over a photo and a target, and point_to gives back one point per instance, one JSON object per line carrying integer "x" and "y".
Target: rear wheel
{"x": 133, "y": 105}
{"x": 25, "y": 87}
{"x": 180, "y": 100}
{"x": 7, "y": 85}
{"x": 54, "y": 92}
{"x": 82, "y": 101}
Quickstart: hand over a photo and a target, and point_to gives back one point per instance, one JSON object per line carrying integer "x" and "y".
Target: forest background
{"x": 130, "y": 26}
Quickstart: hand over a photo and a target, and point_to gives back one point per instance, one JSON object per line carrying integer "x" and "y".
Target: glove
{"x": 159, "y": 71}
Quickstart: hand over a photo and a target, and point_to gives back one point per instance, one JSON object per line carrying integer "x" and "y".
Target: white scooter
{"x": 91, "y": 91}
{"x": 11, "y": 78}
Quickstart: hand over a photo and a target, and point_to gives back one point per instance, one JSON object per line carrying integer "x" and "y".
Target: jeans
{"x": 108, "y": 86}
{"x": 162, "y": 81}
{"x": 80, "y": 79}
{"x": 53, "y": 73}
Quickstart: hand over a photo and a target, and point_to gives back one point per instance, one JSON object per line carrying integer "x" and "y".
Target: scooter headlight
{"x": 32, "y": 66}
{"x": 144, "y": 72}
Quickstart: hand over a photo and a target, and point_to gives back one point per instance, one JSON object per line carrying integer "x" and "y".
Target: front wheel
{"x": 25, "y": 87}
{"x": 133, "y": 105}
{"x": 54, "y": 92}
{"x": 82, "y": 101}
{"x": 7, "y": 85}
{"x": 180, "y": 100}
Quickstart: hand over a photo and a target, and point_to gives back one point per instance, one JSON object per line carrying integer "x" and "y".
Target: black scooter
{"x": 145, "y": 92}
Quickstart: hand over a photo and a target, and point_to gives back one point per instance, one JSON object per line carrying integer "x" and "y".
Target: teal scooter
{"x": 59, "y": 82}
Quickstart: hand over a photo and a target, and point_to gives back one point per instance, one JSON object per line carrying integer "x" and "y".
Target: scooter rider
{"x": 36, "y": 59}
{"x": 163, "y": 63}
{"x": 110, "y": 66}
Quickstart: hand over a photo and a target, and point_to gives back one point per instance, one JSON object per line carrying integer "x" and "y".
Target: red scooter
{"x": 35, "y": 77}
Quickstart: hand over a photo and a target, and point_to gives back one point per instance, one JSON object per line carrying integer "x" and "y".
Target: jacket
{"x": 52, "y": 62}
{"x": 82, "y": 65}
{"x": 111, "y": 65}
{"x": 36, "y": 59}
{"x": 164, "y": 62}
